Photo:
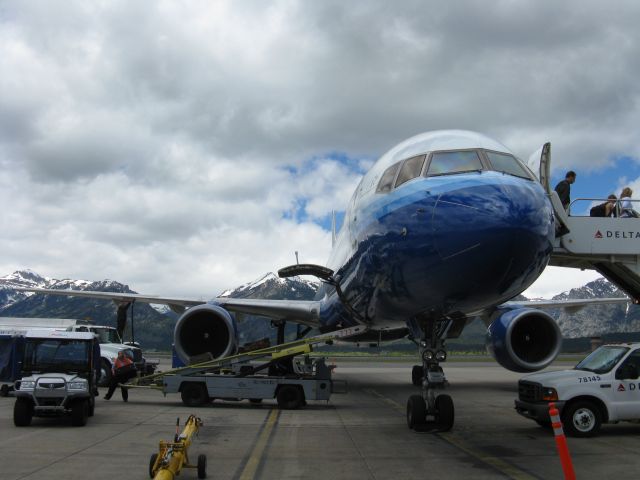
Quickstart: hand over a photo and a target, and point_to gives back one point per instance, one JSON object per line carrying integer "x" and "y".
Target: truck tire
{"x": 582, "y": 418}
{"x": 289, "y": 397}
{"x": 105, "y": 373}
{"x": 202, "y": 466}
{"x": 194, "y": 394}
{"x": 416, "y": 411}
{"x": 79, "y": 413}
{"x": 22, "y": 412}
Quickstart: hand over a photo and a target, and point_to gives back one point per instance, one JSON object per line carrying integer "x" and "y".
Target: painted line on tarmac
{"x": 255, "y": 458}
{"x": 454, "y": 440}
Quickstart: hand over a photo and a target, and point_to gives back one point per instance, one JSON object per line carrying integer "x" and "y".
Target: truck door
{"x": 626, "y": 388}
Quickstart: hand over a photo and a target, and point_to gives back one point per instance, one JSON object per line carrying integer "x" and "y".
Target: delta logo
{"x": 621, "y": 388}
{"x": 598, "y": 234}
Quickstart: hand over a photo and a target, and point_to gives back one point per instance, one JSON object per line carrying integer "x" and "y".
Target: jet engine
{"x": 205, "y": 332}
{"x": 524, "y": 339}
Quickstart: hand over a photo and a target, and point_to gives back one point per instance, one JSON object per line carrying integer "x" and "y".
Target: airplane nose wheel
{"x": 443, "y": 414}
{"x": 429, "y": 411}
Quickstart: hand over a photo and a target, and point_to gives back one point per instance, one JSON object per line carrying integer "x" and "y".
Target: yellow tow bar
{"x": 172, "y": 457}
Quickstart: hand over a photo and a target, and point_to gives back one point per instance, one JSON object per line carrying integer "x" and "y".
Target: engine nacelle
{"x": 205, "y": 329}
{"x": 524, "y": 339}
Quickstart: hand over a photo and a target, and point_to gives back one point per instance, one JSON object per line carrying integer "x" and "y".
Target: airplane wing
{"x": 572, "y": 305}
{"x": 300, "y": 311}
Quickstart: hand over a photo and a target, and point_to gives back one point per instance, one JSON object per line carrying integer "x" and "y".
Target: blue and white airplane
{"x": 446, "y": 227}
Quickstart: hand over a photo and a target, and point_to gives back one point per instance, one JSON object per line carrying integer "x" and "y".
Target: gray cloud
{"x": 132, "y": 129}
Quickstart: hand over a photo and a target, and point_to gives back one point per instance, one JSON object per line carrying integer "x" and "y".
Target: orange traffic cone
{"x": 561, "y": 443}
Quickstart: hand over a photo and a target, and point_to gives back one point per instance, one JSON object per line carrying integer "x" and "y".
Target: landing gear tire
{"x": 417, "y": 373}
{"x": 445, "y": 413}
{"x": 416, "y": 411}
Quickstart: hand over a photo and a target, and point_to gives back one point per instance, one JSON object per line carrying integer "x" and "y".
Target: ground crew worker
{"x": 123, "y": 370}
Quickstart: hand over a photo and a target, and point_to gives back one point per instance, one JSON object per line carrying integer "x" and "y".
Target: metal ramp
{"x": 608, "y": 245}
{"x": 236, "y": 362}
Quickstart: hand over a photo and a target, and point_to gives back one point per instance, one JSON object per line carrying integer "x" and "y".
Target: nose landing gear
{"x": 430, "y": 411}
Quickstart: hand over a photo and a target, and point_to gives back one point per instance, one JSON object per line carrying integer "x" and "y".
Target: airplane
{"x": 445, "y": 227}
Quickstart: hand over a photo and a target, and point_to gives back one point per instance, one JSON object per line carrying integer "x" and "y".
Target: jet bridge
{"x": 609, "y": 245}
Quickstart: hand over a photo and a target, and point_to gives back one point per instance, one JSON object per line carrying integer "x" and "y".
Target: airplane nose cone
{"x": 495, "y": 231}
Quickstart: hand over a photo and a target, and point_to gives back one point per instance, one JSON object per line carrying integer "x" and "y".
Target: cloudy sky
{"x": 187, "y": 147}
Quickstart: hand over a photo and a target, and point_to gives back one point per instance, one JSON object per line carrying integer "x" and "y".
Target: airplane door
{"x": 540, "y": 164}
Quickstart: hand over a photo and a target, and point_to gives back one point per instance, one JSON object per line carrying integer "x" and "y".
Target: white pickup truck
{"x": 602, "y": 388}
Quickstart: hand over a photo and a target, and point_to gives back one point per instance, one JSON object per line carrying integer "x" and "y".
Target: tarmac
{"x": 358, "y": 435}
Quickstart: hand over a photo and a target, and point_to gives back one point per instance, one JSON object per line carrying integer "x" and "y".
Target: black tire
{"x": 4, "y": 390}
{"x": 417, "y": 373}
{"x": 152, "y": 462}
{"x": 202, "y": 466}
{"x": 289, "y": 397}
{"x": 22, "y": 412}
{"x": 105, "y": 373}
{"x": 445, "y": 413}
{"x": 582, "y": 419}
{"x": 416, "y": 411}
{"x": 79, "y": 413}
{"x": 194, "y": 394}
{"x": 255, "y": 400}
{"x": 92, "y": 406}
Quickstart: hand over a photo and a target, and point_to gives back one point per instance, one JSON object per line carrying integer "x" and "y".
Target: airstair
{"x": 608, "y": 245}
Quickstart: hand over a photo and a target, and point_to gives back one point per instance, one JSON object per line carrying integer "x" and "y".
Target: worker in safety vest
{"x": 123, "y": 370}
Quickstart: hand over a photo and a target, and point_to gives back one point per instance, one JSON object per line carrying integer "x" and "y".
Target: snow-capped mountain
{"x": 274, "y": 287}
{"x": 154, "y": 324}
{"x": 597, "y": 319}
{"x": 152, "y": 329}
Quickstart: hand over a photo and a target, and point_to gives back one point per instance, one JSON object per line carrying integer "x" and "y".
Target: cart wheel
{"x": 194, "y": 394}
{"x": 22, "y": 412}
{"x": 289, "y": 397}
{"x": 202, "y": 466}
{"x": 152, "y": 462}
{"x": 79, "y": 413}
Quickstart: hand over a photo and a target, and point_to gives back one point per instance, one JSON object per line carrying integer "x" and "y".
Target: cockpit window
{"x": 452, "y": 162}
{"x": 508, "y": 164}
{"x": 411, "y": 168}
{"x": 386, "y": 182}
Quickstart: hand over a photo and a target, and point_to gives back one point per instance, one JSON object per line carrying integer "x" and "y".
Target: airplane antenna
{"x": 333, "y": 228}
{"x": 297, "y": 262}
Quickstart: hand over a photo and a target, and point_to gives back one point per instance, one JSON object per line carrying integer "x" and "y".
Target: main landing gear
{"x": 430, "y": 411}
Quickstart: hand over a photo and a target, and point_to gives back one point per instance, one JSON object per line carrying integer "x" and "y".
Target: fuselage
{"x": 445, "y": 224}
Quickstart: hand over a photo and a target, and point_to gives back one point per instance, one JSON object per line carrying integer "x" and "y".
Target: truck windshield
{"x": 603, "y": 359}
{"x": 107, "y": 335}
{"x": 56, "y": 356}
